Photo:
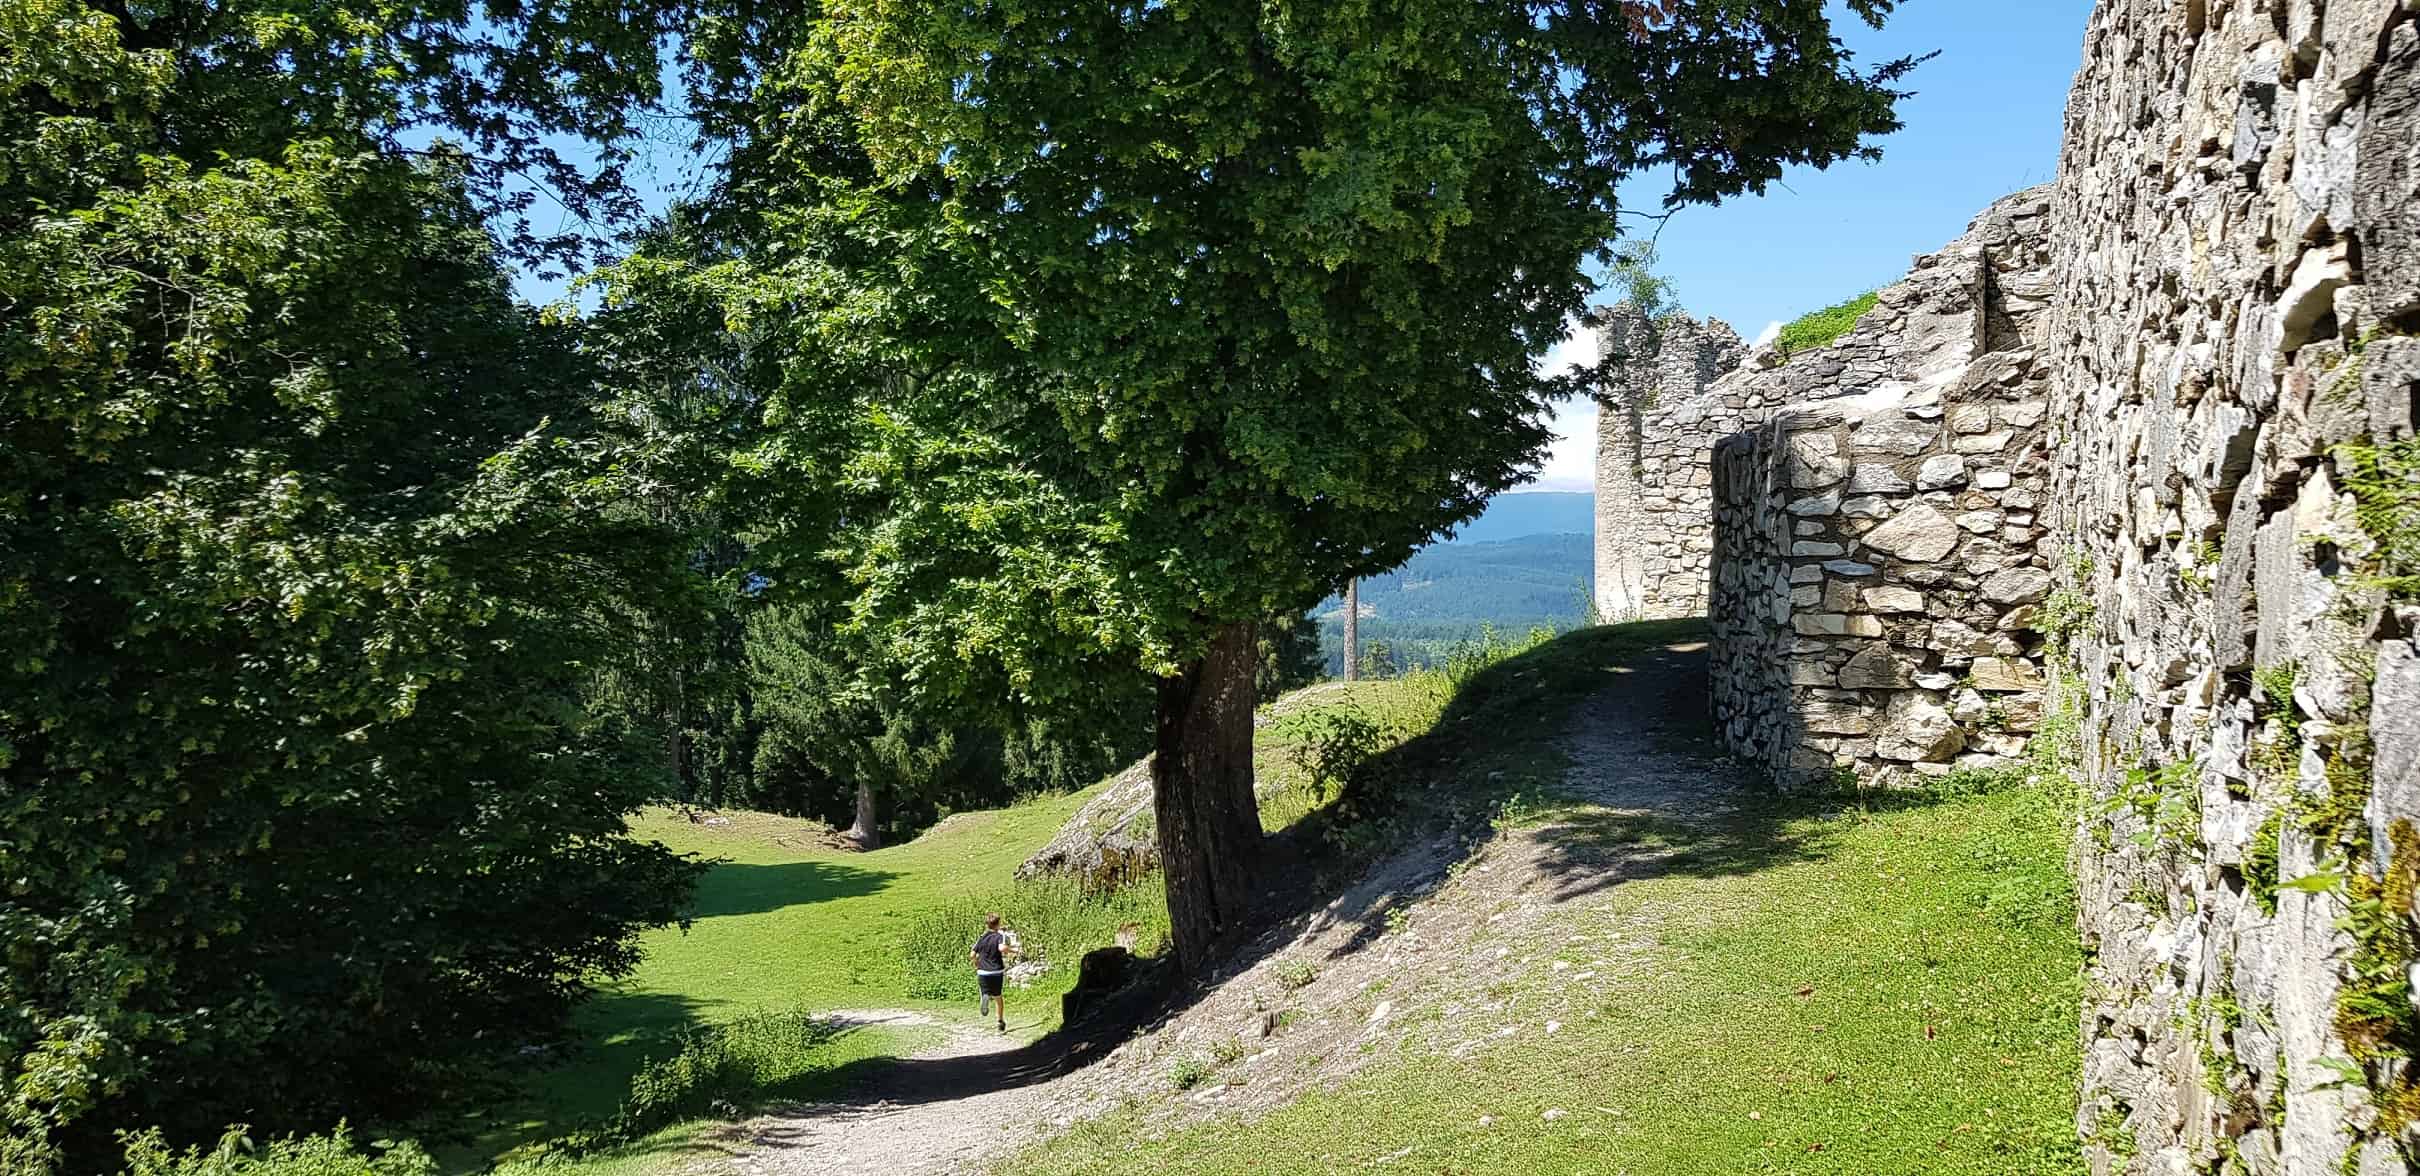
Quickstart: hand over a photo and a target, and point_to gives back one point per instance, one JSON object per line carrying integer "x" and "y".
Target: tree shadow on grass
{"x": 745, "y": 888}
{"x": 573, "y": 1086}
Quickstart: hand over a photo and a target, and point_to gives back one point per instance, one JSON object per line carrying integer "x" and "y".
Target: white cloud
{"x": 1571, "y": 460}
{"x": 1771, "y": 332}
{"x": 1578, "y": 347}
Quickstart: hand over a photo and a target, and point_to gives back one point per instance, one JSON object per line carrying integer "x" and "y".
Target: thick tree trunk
{"x": 1201, "y": 774}
{"x": 1352, "y": 629}
{"x": 865, "y": 832}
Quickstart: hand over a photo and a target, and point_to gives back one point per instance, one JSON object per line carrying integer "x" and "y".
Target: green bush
{"x": 719, "y": 1069}
{"x": 332, "y": 1154}
{"x": 1330, "y": 746}
{"x": 1188, "y": 1072}
{"x": 1054, "y": 922}
{"x": 1822, "y": 328}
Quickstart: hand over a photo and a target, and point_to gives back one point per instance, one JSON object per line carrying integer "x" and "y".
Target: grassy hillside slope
{"x": 1895, "y": 993}
{"x": 1826, "y": 985}
{"x": 1831, "y": 984}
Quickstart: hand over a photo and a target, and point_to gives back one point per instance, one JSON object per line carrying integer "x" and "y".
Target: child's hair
{"x": 992, "y": 921}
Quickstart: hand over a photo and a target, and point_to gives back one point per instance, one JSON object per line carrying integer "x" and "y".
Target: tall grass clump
{"x": 1822, "y": 328}
{"x": 1469, "y": 659}
{"x": 1054, "y": 920}
{"x": 2385, "y": 482}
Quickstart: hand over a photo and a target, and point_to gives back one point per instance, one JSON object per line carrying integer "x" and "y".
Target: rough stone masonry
{"x": 1876, "y": 578}
{"x": 2167, "y": 520}
{"x": 2236, "y": 246}
{"x": 1655, "y": 420}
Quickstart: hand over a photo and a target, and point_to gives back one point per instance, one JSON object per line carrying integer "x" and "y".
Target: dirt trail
{"x": 944, "y": 1109}
{"x": 1394, "y": 961}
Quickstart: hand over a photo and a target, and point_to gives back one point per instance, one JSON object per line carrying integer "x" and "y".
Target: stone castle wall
{"x": 1656, "y": 420}
{"x": 1876, "y": 577}
{"x": 2237, "y": 251}
{"x": 2168, "y": 524}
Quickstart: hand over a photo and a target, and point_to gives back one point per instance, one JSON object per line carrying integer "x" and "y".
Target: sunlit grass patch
{"x": 1895, "y": 993}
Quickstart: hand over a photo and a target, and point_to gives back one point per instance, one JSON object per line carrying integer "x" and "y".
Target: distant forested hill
{"x": 1451, "y": 591}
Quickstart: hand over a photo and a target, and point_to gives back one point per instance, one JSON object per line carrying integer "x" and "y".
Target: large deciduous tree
{"x": 299, "y": 590}
{"x": 1115, "y": 326}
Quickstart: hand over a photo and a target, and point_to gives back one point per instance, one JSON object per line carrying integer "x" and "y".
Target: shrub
{"x": 332, "y": 1154}
{"x": 1188, "y": 1072}
{"x": 720, "y": 1068}
{"x": 1054, "y": 921}
{"x": 1821, "y": 328}
{"x": 1331, "y": 746}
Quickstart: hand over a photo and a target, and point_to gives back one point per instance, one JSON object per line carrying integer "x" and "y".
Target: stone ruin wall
{"x": 2162, "y": 554}
{"x": 1656, "y": 419}
{"x": 1876, "y": 571}
{"x": 2237, "y": 250}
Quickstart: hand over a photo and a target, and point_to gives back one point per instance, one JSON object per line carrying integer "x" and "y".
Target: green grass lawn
{"x": 785, "y": 922}
{"x": 1832, "y": 992}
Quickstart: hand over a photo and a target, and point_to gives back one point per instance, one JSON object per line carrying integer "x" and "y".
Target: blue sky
{"x": 1985, "y": 122}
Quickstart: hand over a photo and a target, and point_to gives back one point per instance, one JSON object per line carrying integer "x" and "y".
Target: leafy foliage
{"x": 2385, "y": 482}
{"x": 1631, "y": 277}
{"x": 305, "y": 547}
{"x": 722, "y": 1064}
{"x": 825, "y": 727}
{"x": 1330, "y": 745}
{"x": 235, "y": 1154}
{"x": 1290, "y": 656}
{"x": 1092, "y": 392}
{"x": 1082, "y": 378}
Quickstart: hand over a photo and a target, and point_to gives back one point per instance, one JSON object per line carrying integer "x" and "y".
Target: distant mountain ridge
{"x": 1512, "y": 516}
{"x": 1527, "y": 562}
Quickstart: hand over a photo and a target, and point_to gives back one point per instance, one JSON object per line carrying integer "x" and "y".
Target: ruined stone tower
{"x": 1656, "y": 422}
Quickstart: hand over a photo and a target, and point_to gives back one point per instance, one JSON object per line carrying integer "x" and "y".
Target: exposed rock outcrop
{"x": 1110, "y": 842}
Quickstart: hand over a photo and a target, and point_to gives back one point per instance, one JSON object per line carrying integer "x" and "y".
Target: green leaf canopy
{"x": 1106, "y": 325}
